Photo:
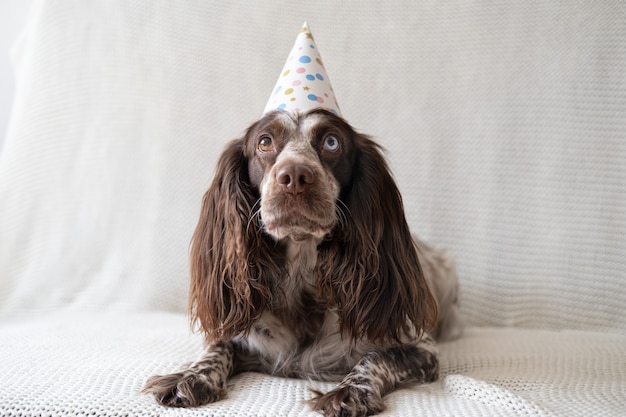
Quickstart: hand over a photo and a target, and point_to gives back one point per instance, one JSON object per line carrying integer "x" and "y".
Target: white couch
{"x": 505, "y": 125}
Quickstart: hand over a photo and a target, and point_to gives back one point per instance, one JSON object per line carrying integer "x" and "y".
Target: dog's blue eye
{"x": 331, "y": 143}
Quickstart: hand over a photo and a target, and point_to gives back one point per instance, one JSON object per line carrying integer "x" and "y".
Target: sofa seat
{"x": 95, "y": 364}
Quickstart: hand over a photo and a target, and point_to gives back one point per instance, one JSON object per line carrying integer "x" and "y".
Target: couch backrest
{"x": 505, "y": 124}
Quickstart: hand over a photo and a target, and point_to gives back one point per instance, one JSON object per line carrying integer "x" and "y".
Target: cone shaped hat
{"x": 303, "y": 83}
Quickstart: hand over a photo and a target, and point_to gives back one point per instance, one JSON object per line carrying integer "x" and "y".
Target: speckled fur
{"x": 321, "y": 282}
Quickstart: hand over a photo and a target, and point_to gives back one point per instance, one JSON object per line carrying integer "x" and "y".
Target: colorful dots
{"x": 315, "y": 98}
{"x": 303, "y": 83}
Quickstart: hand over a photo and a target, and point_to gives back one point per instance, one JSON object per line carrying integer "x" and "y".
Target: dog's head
{"x": 293, "y": 178}
{"x": 299, "y": 165}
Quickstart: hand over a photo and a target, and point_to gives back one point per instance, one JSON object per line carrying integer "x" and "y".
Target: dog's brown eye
{"x": 331, "y": 143}
{"x": 265, "y": 144}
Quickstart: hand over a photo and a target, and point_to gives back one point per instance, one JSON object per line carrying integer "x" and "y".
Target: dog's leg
{"x": 202, "y": 382}
{"x": 377, "y": 373}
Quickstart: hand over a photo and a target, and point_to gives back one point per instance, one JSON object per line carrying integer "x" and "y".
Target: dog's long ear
{"x": 372, "y": 265}
{"x": 229, "y": 253}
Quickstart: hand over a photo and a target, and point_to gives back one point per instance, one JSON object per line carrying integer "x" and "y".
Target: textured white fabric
{"x": 97, "y": 363}
{"x": 505, "y": 124}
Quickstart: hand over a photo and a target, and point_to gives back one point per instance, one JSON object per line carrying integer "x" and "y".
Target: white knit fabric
{"x": 505, "y": 124}
{"x": 97, "y": 363}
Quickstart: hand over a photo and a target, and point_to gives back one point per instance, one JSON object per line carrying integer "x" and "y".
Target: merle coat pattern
{"x": 303, "y": 265}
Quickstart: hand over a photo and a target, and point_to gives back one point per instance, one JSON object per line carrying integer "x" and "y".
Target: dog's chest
{"x": 297, "y": 311}
{"x": 299, "y": 305}
{"x": 302, "y": 350}
{"x": 300, "y": 337}
{"x": 302, "y": 258}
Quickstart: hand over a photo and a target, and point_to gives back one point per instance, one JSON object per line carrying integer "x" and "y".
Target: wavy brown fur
{"x": 370, "y": 266}
{"x": 232, "y": 262}
{"x": 302, "y": 265}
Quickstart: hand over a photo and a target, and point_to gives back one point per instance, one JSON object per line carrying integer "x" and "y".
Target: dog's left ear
{"x": 371, "y": 264}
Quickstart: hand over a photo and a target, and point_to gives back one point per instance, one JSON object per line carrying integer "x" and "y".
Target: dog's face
{"x": 300, "y": 164}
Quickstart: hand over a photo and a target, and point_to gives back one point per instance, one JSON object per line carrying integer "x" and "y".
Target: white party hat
{"x": 303, "y": 83}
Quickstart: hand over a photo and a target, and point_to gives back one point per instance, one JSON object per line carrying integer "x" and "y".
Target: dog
{"x": 303, "y": 265}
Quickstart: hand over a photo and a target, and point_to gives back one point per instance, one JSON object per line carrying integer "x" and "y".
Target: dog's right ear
{"x": 228, "y": 291}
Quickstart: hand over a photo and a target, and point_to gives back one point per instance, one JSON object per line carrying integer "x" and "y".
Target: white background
{"x": 12, "y": 18}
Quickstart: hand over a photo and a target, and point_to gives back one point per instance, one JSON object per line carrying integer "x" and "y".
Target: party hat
{"x": 303, "y": 83}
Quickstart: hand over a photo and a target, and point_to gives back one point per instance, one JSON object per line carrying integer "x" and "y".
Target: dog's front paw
{"x": 348, "y": 401}
{"x": 185, "y": 389}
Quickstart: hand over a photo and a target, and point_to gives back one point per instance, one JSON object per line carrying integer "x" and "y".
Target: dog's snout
{"x": 295, "y": 178}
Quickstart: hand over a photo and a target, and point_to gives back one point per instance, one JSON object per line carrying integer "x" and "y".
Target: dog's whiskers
{"x": 255, "y": 214}
{"x": 342, "y": 217}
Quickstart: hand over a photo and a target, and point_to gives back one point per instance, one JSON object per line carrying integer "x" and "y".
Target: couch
{"x": 505, "y": 126}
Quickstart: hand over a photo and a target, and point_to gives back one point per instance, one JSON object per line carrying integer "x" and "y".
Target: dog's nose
{"x": 295, "y": 178}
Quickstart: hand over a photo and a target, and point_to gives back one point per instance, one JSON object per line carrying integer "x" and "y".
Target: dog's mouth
{"x": 297, "y": 223}
{"x": 298, "y": 216}
{"x": 297, "y": 228}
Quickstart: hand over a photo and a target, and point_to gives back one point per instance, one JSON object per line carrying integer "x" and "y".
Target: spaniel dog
{"x": 302, "y": 265}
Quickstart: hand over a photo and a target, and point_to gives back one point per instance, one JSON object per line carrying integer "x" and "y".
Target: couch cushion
{"x": 97, "y": 363}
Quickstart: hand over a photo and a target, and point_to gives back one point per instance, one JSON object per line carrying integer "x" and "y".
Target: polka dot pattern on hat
{"x": 303, "y": 83}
